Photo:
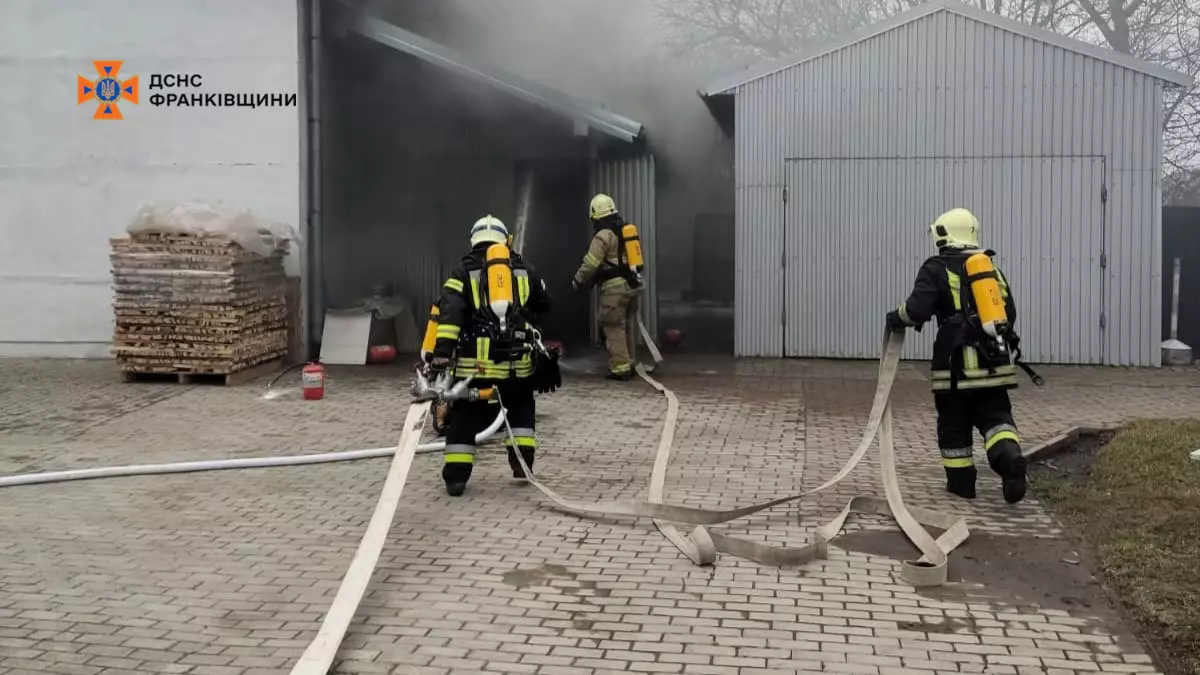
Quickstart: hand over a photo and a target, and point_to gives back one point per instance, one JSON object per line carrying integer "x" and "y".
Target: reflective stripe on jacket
{"x": 937, "y": 293}
{"x": 460, "y": 304}
{"x": 603, "y": 254}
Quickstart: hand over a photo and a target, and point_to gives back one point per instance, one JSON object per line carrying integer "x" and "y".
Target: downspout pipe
{"x": 315, "y": 273}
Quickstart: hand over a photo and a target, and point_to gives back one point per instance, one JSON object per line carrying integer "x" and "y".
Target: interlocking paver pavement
{"x": 228, "y": 573}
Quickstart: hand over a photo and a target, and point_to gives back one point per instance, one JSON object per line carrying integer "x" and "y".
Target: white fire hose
{"x": 240, "y": 463}
{"x": 701, "y": 546}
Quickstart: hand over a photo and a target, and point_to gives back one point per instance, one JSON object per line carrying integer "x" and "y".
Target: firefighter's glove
{"x": 547, "y": 375}
{"x": 894, "y": 322}
{"x": 438, "y": 365}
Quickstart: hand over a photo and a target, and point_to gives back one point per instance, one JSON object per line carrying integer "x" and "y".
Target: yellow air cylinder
{"x": 985, "y": 289}
{"x": 430, "y": 339}
{"x": 633, "y": 246}
{"x": 499, "y": 279}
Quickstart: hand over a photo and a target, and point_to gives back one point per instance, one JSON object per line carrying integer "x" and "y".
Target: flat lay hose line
{"x": 319, "y": 655}
{"x": 702, "y": 546}
{"x": 224, "y": 464}
{"x": 654, "y": 353}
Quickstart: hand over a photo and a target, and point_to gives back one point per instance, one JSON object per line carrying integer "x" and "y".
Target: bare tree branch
{"x": 728, "y": 32}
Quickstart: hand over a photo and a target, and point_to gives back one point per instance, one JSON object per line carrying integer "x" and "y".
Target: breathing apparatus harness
{"x": 982, "y": 322}
{"x": 629, "y": 253}
{"x": 500, "y": 325}
{"x": 498, "y": 318}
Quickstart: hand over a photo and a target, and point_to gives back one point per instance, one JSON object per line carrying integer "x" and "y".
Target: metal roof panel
{"x": 592, "y": 115}
{"x": 727, "y": 84}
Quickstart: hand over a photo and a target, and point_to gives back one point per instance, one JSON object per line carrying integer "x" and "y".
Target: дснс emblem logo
{"x": 107, "y": 90}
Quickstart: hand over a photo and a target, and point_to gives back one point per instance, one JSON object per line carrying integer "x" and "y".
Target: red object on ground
{"x": 381, "y": 354}
{"x": 673, "y": 336}
{"x": 555, "y": 344}
{"x": 312, "y": 381}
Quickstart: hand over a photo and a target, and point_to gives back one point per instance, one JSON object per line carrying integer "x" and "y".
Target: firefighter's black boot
{"x": 960, "y": 481}
{"x": 527, "y": 454}
{"x": 1007, "y": 461}
{"x": 456, "y": 476}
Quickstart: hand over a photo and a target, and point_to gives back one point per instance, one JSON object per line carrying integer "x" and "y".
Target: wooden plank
{"x": 233, "y": 378}
{"x": 197, "y": 306}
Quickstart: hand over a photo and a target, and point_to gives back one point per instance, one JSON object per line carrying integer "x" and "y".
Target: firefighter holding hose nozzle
{"x": 975, "y": 354}
{"x": 485, "y": 331}
{"x": 442, "y": 408}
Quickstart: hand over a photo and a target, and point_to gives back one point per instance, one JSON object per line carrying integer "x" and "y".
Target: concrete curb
{"x": 1064, "y": 439}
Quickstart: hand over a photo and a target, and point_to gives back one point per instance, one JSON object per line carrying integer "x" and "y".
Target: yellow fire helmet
{"x": 602, "y": 205}
{"x": 956, "y": 228}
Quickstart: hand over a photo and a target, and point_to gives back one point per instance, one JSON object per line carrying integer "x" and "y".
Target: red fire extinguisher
{"x": 312, "y": 379}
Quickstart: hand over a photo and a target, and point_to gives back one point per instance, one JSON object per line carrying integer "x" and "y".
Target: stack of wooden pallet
{"x": 192, "y": 306}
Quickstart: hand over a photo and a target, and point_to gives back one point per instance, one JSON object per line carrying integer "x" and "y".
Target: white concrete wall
{"x": 68, "y": 183}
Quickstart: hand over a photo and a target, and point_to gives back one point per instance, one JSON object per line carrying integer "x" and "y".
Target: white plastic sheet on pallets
{"x": 220, "y": 219}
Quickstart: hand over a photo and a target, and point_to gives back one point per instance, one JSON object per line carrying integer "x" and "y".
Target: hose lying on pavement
{"x": 318, "y": 657}
{"x": 702, "y": 546}
{"x": 221, "y": 464}
{"x": 321, "y": 651}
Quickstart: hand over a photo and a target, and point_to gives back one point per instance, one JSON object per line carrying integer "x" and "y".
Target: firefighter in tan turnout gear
{"x": 614, "y": 263}
{"x": 974, "y": 354}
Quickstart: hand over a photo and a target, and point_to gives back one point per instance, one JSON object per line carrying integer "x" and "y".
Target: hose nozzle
{"x": 422, "y": 390}
{"x": 439, "y": 389}
{"x": 459, "y": 391}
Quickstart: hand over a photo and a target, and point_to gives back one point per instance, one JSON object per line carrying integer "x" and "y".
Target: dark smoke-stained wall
{"x": 602, "y": 52}
{"x": 1181, "y": 239}
{"x": 412, "y": 156}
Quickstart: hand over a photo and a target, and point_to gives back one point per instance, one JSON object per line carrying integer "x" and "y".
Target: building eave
{"x": 579, "y": 111}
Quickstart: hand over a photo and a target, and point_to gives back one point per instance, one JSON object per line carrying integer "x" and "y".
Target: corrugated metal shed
{"x": 845, "y": 155}
{"x": 416, "y": 150}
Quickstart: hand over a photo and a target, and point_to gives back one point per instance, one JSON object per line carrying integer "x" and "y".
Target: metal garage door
{"x": 856, "y": 231}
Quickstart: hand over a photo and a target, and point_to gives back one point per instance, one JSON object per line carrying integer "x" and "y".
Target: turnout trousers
{"x": 618, "y": 323}
{"x": 466, "y": 419}
{"x": 988, "y": 411}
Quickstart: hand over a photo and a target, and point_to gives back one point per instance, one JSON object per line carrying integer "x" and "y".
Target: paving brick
{"x": 230, "y": 573}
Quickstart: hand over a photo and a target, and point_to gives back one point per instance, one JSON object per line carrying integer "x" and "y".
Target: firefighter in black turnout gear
{"x": 974, "y": 355}
{"x": 486, "y": 330}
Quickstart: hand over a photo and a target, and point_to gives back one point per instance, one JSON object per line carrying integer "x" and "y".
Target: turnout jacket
{"x": 462, "y": 305}
{"x": 602, "y": 262}
{"x": 940, "y": 292}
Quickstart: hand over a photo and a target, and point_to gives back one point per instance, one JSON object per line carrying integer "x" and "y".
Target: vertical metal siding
{"x": 1156, "y": 225}
{"x": 1021, "y": 131}
{"x": 834, "y": 273}
{"x": 758, "y": 234}
{"x": 631, "y": 183}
